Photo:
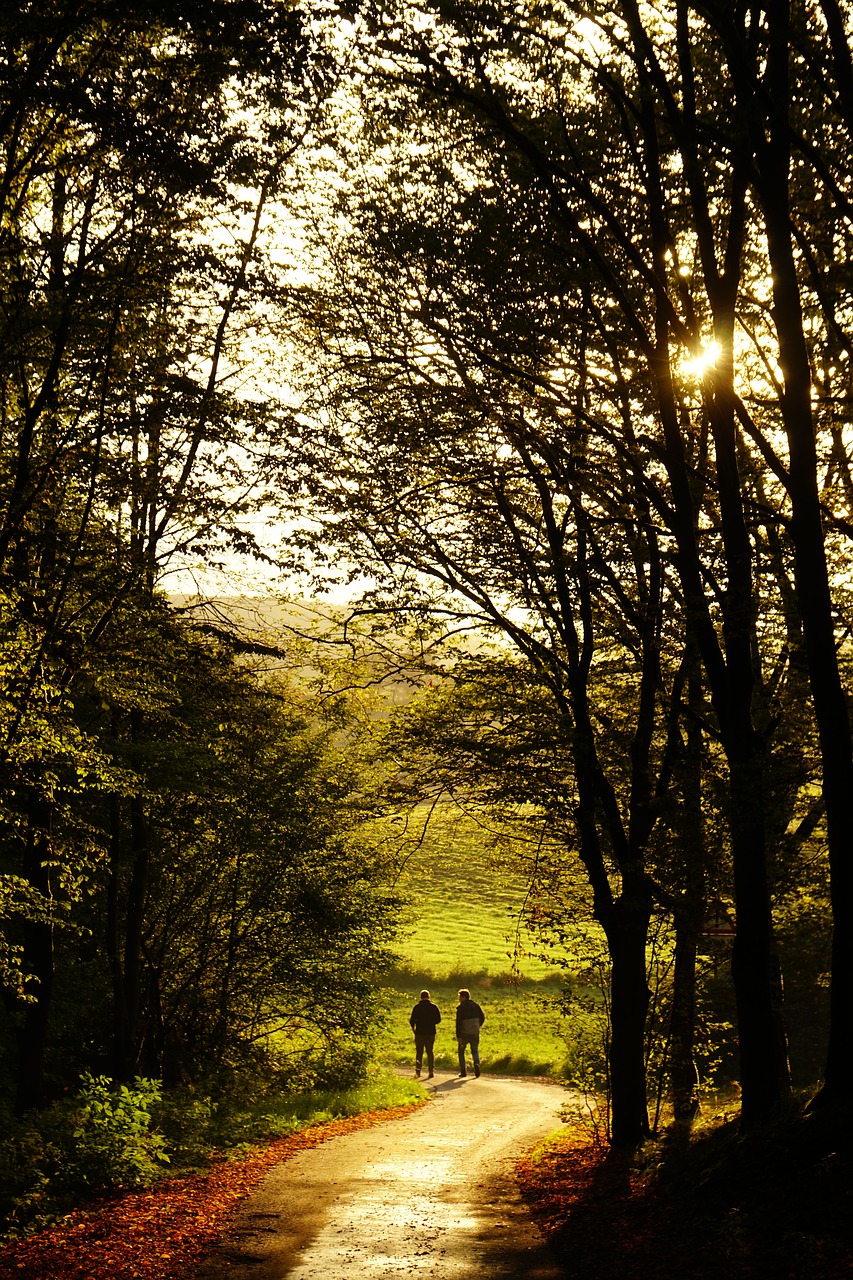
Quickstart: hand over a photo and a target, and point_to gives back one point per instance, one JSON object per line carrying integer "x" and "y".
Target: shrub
{"x": 96, "y": 1141}
{"x": 114, "y": 1144}
{"x": 26, "y": 1162}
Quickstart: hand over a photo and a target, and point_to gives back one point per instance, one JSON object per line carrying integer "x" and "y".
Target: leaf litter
{"x": 766, "y": 1211}
{"x": 163, "y": 1232}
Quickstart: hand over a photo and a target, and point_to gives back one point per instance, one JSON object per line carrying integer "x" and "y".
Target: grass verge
{"x": 114, "y": 1139}
{"x": 195, "y": 1132}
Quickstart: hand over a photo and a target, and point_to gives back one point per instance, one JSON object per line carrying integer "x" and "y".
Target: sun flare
{"x": 696, "y": 366}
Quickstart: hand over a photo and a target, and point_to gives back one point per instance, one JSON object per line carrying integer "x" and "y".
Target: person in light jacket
{"x": 469, "y": 1019}
{"x": 424, "y": 1019}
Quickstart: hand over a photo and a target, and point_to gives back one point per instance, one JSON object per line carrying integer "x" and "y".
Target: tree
{"x": 266, "y": 914}
{"x": 465, "y": 463}
{"x": 141, "y": 149}
{"x": 635, "y": 230}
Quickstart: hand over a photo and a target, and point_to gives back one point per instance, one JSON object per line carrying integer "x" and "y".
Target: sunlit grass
{"x": 464, "y": 930}
{"x": 195, "y": 1131}
{"x": 465, "y": 913}
{"x": 521, "y": 1035}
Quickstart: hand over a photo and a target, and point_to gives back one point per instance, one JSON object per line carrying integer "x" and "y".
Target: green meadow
{"x": 463, "y": 930}
{"x": 521, "y": 1035}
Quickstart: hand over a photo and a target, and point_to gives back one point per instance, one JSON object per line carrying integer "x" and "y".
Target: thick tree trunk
{"x": 810, "y": 563}
{"x": 136, "y": 899}
{"x": 731, "y": 683}
{"x": 32, "y": 1035}
{"x": 683, "y": 1076}
{"x": 625, "y": 922}
{"x": 626, "y": 928}
{"x": 688, "y": 916}
{"x": 156, "y": 1041}
{"x": 763, "y": 1060}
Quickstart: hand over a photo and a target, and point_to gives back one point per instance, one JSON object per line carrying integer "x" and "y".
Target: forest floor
{"x": 441, "y": 1190}
{"x": 774, "y": 1205}
{"x": 163, "y": 1231}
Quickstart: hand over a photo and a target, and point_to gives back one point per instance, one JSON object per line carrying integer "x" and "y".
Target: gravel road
{"x": 431, "y": 1194}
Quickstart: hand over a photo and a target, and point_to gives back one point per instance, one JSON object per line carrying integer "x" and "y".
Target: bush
{"x": 97, "y": 1141}
{"x": 26, "y": 1163}
{"x": 105, "y": 1137}
{"x": 114, "y": 1145}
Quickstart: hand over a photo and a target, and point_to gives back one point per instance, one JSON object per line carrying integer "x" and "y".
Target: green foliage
{"x": 522, "y": 426}
{"x": 27, "y": 1161}
{"x": 108, "y": 1137}
{"x": 231, "y": 901}
{"x": 268, "y": 908}
{"x": 196, "y": 1124}
{"x": 587, "y": 1034}
{"x": 114, "y": 1144}
{"x": 139, "y": 148}
{"x": 99, "y": 1140}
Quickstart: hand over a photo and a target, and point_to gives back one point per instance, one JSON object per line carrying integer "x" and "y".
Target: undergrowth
{"x": 109, "y": 1137}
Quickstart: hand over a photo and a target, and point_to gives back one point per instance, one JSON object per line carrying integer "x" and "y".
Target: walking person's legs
{"x": 429, "y": 1045}
{"x": 461, "y": 1043}
{"x": 474, "y": 1042}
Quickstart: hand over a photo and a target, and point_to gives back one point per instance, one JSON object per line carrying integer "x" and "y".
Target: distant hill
{"x": 266, "y": 625}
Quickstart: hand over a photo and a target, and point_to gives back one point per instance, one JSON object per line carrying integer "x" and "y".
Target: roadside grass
{"x": 63, "y": 1157}
{"x": 195, "y": 1131}
{"x": 163, "y": 1232}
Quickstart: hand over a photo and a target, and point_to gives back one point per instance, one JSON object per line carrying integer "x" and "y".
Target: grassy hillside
{"x": 463, "y": 929}
{"x": 465, "y": 921}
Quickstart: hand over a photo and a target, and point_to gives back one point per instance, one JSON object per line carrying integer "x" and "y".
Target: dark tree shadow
{"x": 773, "y": 1206}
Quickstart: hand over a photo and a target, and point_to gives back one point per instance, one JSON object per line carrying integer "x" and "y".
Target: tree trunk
{"x": 626, "y": 928}
{"x": 683, "y": 1076}
{"x": 37, "y": 960}
{"x": 690, "y": 911}
{"x": 810, "y": 564}
{"x": 136, "y": 901}
{"x": 625, "y": 922}
{"x": 731, "y": 682}
{"x": 122, "y": 1051}
{"x": 764, "y": 1072}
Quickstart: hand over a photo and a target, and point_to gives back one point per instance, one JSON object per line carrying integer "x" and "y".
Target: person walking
{"x": 469, "y": 1019}
{"x": 424, "y": 1019}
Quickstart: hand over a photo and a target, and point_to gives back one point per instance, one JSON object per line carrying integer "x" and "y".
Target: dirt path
{"x": 432, "y": 1194}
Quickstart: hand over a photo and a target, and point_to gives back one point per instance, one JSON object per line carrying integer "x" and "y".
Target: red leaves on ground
{"x": 163, "y": 1232}
{"x": 591, "y": 1204}
{"x": 609, "y": 1220}
{"x": 602, "y": 1213}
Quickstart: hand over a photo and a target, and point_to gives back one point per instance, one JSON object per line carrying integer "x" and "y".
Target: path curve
{"x": 432, "y": 1194}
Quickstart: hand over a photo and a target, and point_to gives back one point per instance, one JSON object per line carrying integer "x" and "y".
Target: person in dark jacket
{"x": 423, "y": 1021}
{"x": 469, "y": 1019}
